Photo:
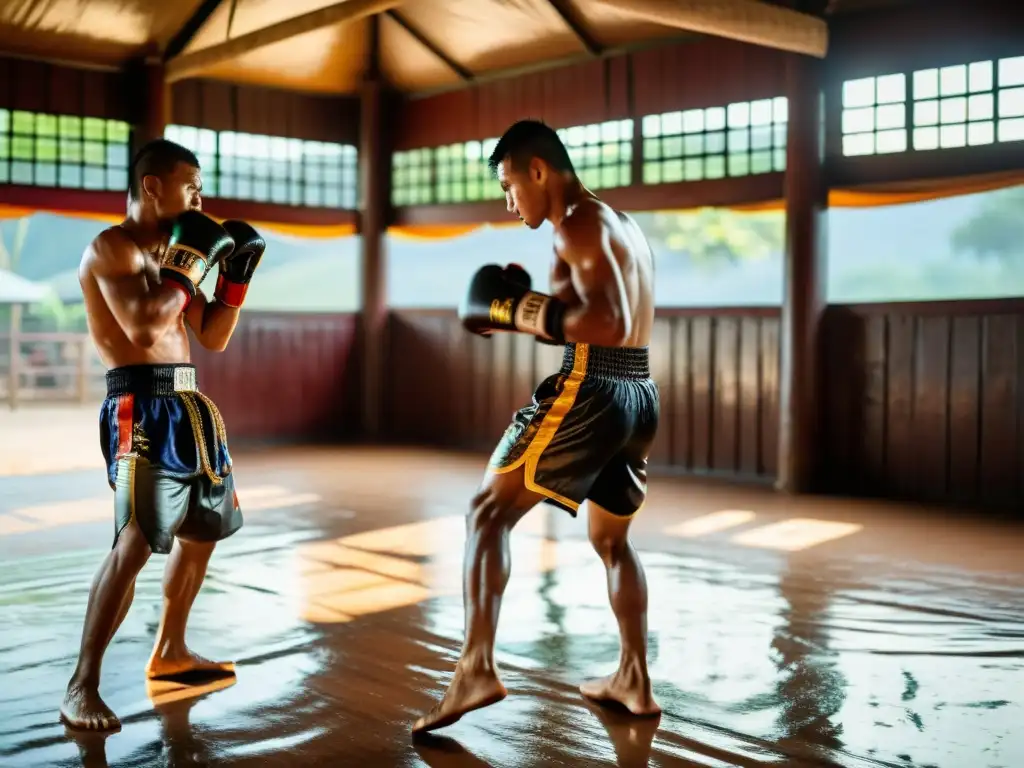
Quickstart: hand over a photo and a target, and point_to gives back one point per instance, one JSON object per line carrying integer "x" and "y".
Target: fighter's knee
{"x": 488, "y": 511}
{"x": 132, "y": 550}
{"x": 609, "y": 547}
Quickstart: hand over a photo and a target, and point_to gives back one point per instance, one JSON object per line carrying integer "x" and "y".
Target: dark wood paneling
{"x": 63, "y": 90}
{"x": 660, "y": 79}
{"x": 926, "y": 401}
{"x": 283, "y": 376}
{"x": 717, "y": 371}
{"x": 251, "y": 109}
{"x": 54, "y": 199}
{"x": 922, "y": 35}
{"x": 710, "y": 72}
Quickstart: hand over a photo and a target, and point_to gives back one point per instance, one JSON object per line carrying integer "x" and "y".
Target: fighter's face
{"x": 525, "y": 191}
{"x": 177, "y": 192}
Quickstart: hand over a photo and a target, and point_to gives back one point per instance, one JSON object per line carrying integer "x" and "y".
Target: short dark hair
{"x": 156, "y": 158}
{"x": 526, "y": 140}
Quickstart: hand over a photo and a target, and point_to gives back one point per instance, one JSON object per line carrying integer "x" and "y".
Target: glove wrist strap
{"x": 230, "y": 293}
{"x": 540, "y": 315}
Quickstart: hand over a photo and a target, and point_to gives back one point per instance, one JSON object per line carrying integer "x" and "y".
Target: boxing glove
{"x": 195, "y": 244}
{"x": 498, "y": 300}
{"x": 236, "y": 269}
{"x": 520, "y": 275}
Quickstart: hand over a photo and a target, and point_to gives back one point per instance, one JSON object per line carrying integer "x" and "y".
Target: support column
{"x": 374, "y": 182}
{"x": 804, "y": 278}
{"x": 153, "y": 111}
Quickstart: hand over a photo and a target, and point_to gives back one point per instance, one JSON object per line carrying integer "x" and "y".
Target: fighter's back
{"x": 636, "y": 260}
{"x": 636, "y": 265}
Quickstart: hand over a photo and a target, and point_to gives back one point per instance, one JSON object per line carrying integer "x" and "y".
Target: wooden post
{"x": 14, "y": 368}
{"x": 804, "y": 278}
{"x": 153, "y": 111}
{"x": 375, "y": 203}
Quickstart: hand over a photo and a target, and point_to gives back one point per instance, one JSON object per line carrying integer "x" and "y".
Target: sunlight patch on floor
{"x": 711, "y": 523}
{"x": 795, "y": 534}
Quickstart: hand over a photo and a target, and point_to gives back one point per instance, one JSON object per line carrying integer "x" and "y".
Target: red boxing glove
{"x": 237, "y": 270}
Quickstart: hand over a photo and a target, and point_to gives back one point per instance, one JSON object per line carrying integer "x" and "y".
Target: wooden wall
{"x": 624, "y": 86}
{"x": 251, "y": 109}
{"x": 926, "y": 401}
{"x": 718, "y": 371}
{"x": 922, "y": 401}
{"x": 37, "y": 86}
{"x": 284, "y": 376}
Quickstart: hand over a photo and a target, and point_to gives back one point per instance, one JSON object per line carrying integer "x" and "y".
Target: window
{"x": 601, "y": 153}
{"x": 963, "y": 105}
{"x": 273, "y": 169}
{"x": 462, "y": 172}
{"x": 741, "y": 139}
{"x": 875, "y": 115}
{"x": 707, "y": 257}
{"x": 63, "y": 150}
{"x": 967, "y": 247}
{"x": 411, "y": 177}
{"x": 958, "y": 106}
{"x": 458, "y": 173}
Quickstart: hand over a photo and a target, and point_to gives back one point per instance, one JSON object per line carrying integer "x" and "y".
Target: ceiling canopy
{"x": 425, "y": 45}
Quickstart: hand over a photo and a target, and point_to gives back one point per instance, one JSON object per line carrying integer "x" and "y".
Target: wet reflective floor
{"x": 787, "y": 632}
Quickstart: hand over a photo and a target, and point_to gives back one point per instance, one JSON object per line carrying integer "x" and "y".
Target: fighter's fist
{"x": 195, "y": 244}
{"x": 237, "y": 269}
{"x": 499, "y": 299}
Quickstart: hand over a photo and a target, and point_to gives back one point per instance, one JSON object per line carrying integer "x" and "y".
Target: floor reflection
{"x": 805, "y": 648}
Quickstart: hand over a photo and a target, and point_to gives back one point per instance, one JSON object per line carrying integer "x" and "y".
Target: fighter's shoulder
{"x": 587, "y": 223}
{"x": 112, "y": 250}
{"x": 594, "y": 223}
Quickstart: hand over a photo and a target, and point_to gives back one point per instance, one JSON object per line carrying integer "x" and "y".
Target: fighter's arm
{"x": 212, "y": 322}
{"x": 602, "y": 317}
{"x": 145, "y": 310}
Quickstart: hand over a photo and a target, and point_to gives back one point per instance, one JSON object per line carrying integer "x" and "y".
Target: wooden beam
{"x": 190, "y": 28}
{"x": 571, "y": 18}
{"x": 191, "y": 64}
{"x": 804, "y": 298}
{"x": 420, "y": 38}
{"x": 748, "y": 21}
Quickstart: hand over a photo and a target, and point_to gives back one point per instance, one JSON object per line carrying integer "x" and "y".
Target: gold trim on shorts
{"x": 549, "y": 426}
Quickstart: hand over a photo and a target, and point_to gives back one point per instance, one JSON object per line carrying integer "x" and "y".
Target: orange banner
{"x": 899, "y": 193}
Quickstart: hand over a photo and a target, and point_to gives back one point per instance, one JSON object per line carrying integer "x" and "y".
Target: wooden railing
{"x": 49, "y": 368}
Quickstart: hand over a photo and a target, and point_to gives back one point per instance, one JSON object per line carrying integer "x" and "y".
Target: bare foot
{"x": 171, "y": 664}
{"x": 468, "y": 691}
{"x": 85, "y": 710}
{"x": 629, "y": 687}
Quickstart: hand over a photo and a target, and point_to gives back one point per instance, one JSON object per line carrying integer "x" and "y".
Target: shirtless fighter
{"x": 163, "y": 441}
{"x": 587, "y": 433}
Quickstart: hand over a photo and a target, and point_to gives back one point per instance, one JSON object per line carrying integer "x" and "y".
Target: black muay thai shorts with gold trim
{"x": 166, "y": 451}
{"x": 588, "y": 431}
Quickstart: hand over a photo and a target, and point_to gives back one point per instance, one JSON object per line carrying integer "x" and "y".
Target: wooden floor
{"x": 785, "y": 632}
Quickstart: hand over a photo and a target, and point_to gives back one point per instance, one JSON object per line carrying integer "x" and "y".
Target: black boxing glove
{"x": 498, "y": 300}
{"x": 195, "y": 244}
{"x": 236, "y": 270}
{"x": 519, "y": 275}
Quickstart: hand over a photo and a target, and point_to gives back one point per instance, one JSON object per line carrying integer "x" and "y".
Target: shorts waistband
{"x": 151, "y": 380}
{"x": 607, "y": 362}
